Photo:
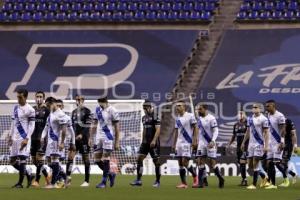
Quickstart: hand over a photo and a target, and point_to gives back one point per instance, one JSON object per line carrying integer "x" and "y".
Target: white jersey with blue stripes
{"x": 54, "y": 125}
{"x": 256, "y": 125}
{"x": 184, "y": 124}
{"x": 206, "y": 125}
{"x": 106, "y": 119}
{"x": 275, "y": 121}
{"x": 21, "y": 117}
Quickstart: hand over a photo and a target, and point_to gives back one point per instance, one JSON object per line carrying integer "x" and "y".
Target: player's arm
{"x": 44, "y": 134}
{"x": 30, "y": 129}
{"x": 215, "y": 133}
{"x": 175, "y": 139}
{"x": 282, "y": 131}
{"x": 10, "y": 135}
{"x": 117, "y": 135}
{"x": 246, "y": 137}
{"x": 266, "y": 138}
{"x": 88, "y": 122}
{"x": 92, "y": 131}
{"x": 63, "y": 128}
{"x": 233, "y": 136}
{"x": 294, "y": 139}
{"x": 195, "y": 136}
{"x": 157, "y": 133}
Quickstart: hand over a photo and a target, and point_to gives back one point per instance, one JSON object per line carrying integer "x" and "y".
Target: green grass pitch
{"x": 123, "y": 191}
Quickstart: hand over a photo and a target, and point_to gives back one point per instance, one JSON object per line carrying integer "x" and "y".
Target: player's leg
{"x": 41, "y": 167}
{"x": 55, "y": 169}
{"x": 287, "y": 153}
{"x": 183, "y": 164}
{"x": 212, "y": 162}
{"x": 243, "y": 163}
{"x": 69, "y": 166}
{"x": 16, "y": 164}
{"x": 106, "y": 168}
{"x": 155, "y": 154}
{"x": 143, "y": 152}
{"x": 201, "y": 160}
{"x": 87, "y": 166}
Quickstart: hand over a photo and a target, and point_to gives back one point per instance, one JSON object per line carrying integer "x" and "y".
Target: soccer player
{"x": 37, "y": 151}
{"x": 207, "y": 148}
{"x": 55, "y": 131}
{"x": 81, "y": 120}
{"x": 65, "y": 178}
{"x": 150, "y": 144}
{"x": 106, "y": 124}
{"x": 22, "y": 128}
{"x": 239, "y": 131}
{"x": 258, "y": 135}
{"x": 276, "y": 144}
{"x": 185, "y": 138}
{"x": 290, "y": 146}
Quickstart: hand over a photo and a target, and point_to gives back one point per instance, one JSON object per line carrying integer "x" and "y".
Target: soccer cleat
{"x": 243, "y": 183}
{"x": 221, "y": 183}
{"x": 271, "y": 187}
{"x": 264, "y": 182}
{"x": 136, "y": 183}
{"x": 286, "y": 183}
{"x": 101, "y": 185}
{"x": 156, "y": 184}
{"x": 30, "y": 178}
{"x": 68, "y": 181}
{"x": 85, "y": 184}
{"x": 50, "y": 186}
{"x": 182, "y": 186}
{"x": 251, "y": 187}
{"x": 60, "y": 185}
{"x": 18, "y": 186}
{"x": 195, "y": 182}
{"x": 294, "y": 180}
{"x": 35, "y": 184}
{"x": 112, "y": 178}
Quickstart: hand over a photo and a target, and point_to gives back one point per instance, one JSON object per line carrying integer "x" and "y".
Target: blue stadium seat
{"x": 41, "y": 7}
{"x": 37, "y": 17}
{"x": 139, "y": 16}
{"x": 26, "y": 16}
{"x": 49, "y": 17}
{"x": 242, "y": 15}
{"x": 253, "y": 15}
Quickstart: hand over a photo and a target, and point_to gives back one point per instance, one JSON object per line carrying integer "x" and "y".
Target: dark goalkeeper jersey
{"x": 41, "y": 115}
{"x": 239, "y": 130}
{"x": 288, "y": 136}
{"x": 81, "y": 120}
{"x": 149, "y": 123}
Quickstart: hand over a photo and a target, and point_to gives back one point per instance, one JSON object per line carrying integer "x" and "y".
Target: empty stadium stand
{"x": 108, "y": 11}
{"x": 269, "y": 10}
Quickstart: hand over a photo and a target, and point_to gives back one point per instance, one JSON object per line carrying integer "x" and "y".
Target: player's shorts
{"x": 183, "y": 150}
{"x": 241, "y": 155}
{"x": 273, "y": 153}
{"x": 255, "y": 150}
{"x": 37, "y": 148}
{"x": 104, "y": 146}
{"x": 287, "y": 153}
{"x": 15, "y": 149}
{"x": 145, "y": 149}
{"x": 53, "y": 150}
{"x": 203, "y": 151}
{"x": 82, "y": 147}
